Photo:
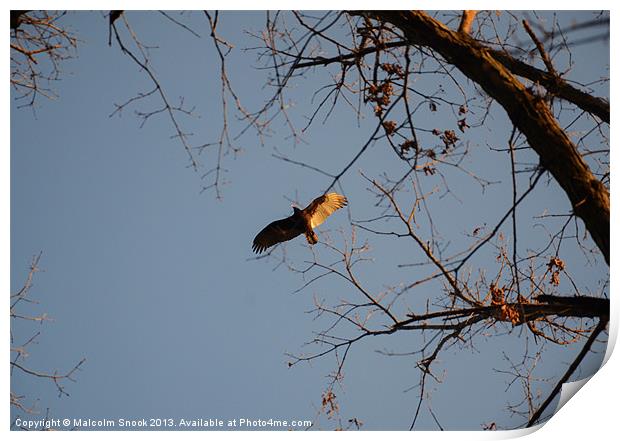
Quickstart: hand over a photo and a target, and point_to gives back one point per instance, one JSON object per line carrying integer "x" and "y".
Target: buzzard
{"x": 302, "y": 221}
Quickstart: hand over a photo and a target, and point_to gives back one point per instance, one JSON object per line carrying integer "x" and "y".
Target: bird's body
{"x": 301, "y": 222}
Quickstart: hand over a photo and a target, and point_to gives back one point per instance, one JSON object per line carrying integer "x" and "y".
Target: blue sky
{"x": 150, "y": 279}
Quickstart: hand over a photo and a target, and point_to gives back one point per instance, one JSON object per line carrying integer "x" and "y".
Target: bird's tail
{"x": 312, "y": 237}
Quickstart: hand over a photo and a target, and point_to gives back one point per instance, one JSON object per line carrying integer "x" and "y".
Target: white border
{"x": 591, "y": 415}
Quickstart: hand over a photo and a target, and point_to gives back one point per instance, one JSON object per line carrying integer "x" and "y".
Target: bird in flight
{"x": 300, "y": 222}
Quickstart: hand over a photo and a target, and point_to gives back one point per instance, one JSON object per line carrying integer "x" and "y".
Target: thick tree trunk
{"x": 529, "y": 113}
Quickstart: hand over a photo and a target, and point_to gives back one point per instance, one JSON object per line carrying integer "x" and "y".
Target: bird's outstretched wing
{"x": 320, "y": 208}
{"x": 276, "y": 232}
